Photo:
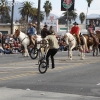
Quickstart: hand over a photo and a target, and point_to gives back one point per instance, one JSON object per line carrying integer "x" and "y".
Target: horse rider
{"x": 35, "y": 26}
{"x": 31, "y": 33}
{"x": 75, "y": 30}
{"x": 91, "y": 33}
{"x": 44, "y": 31}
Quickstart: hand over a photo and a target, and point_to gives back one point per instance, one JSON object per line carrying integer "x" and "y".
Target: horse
{"x": 98, "y": 35}
{"x": 72, "y": 42}
{"x": 93, "y": 43}
{"x": 26, "y": 42}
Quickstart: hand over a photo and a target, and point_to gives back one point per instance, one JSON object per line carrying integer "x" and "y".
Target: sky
{"x": 80, "y": 6}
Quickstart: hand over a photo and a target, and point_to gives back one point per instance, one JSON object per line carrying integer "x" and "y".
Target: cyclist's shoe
{"x": 52, "y": 67}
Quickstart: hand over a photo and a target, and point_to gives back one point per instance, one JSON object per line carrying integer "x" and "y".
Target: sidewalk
{"x": 18, "y": 94}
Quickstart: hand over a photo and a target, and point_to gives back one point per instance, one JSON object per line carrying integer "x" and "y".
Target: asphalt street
{"x": 71, "y": 79}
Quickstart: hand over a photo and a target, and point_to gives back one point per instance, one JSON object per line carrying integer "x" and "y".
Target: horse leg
{"x": 93, "y": 50}
{"x": 82, "y": 53}
{"x": 26, "y": 54}
{"x": 70, "y": 54}
{"x": 84, "y": 48}
{"x": 97, "y": 51}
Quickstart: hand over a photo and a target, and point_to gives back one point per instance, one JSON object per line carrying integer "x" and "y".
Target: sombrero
{"x": 75, "y": 23}
{"x": 34, "y": 25}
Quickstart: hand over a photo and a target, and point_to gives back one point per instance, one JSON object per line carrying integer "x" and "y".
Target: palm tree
{"x": 82, "y": 17}
{"x": 5, "y": 11}
{"x": 72, "y": 14}
{"x": 47, "y": 7}
{"x": 26, "y": 9}
{"x": 34, "y": 15}
{"x": 89, "y": 3}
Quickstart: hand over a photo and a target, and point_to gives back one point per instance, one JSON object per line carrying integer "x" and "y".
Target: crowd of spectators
{"x": 8, "y": 45}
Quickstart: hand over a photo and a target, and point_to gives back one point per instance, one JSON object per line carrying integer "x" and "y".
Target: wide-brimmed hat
{"x": 34, "y": 25}
{"x": 75, "y": 23}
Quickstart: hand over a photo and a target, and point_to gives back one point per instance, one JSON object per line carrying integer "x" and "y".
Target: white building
{"x": 5, "y": 28}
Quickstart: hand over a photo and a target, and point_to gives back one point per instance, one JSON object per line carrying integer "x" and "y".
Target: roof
{"x": 8, "y": 24}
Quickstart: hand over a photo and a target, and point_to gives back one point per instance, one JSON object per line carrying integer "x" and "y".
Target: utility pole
{"x": 38, "y": 20}
{"x": 12, "y": 14}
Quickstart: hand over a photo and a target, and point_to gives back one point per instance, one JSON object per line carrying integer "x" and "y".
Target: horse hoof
{"x": 82, "y": 58}
{"x": 70, "y": 58}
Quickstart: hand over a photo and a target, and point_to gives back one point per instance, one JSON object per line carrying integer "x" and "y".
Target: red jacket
{"x": 75, "y": 30}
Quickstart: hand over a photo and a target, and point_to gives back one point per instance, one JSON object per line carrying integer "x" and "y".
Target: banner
{"x": 67, "y": 4}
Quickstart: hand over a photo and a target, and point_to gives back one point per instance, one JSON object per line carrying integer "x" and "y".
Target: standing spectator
{"x": 61, "y": 45}
{"x": 53, "y": 48}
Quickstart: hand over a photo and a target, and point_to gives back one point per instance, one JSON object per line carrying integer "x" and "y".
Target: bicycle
{"x": 42, "y": 64}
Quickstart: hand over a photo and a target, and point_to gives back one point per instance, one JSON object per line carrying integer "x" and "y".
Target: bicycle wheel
{"x": 42, "y": 67}
{"x": 34, "y": 53}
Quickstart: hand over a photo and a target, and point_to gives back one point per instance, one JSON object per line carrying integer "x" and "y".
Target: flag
{"x": 67, "y": 4}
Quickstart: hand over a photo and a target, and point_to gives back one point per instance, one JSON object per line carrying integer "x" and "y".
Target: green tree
{"x": 26, "y": 9}
{"x": 82, "y": 17}
{"x": 34, "y": 15}
{"x": 4, "y": 11}
{"x": 47, "y": 7}
{"x": 88, "y": 5}
{"x": 72, "y": 15}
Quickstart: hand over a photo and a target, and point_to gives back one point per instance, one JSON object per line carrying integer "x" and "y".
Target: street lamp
{"x": 38, "y": 20}
{"x": 12, "y": 13}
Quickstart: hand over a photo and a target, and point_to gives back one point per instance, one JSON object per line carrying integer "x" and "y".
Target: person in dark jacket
{"x": 44, "y": 31}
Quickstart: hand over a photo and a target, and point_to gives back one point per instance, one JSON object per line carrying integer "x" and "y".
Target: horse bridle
{"x": 24, "y": 38}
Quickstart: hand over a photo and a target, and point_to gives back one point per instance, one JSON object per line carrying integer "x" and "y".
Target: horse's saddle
{"x": 94, "y": 38}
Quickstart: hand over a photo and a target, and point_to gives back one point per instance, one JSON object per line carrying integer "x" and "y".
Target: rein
{"x": 23, "y": 39}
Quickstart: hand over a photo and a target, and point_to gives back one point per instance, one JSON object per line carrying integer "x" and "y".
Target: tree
{"x": 34, "y": 15}
{"x": 72, "y": 15}
{"x": 89, "y": 3}
{"x": 82, "y": 17}
{"x": 4, "y": 12}
{"x": 47, "y": 7}
{"x": 26, "y": 9}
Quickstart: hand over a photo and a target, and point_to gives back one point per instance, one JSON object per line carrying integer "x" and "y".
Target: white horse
{"x": 71, "y": 41}
{"x": 25, "y": 41}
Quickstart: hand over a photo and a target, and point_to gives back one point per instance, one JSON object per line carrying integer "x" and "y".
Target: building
{"x": 5, "y": 28}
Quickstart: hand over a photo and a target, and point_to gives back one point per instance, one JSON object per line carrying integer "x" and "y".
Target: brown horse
{"x": 92, "y": 42}
{"x": 98, "y": 35}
